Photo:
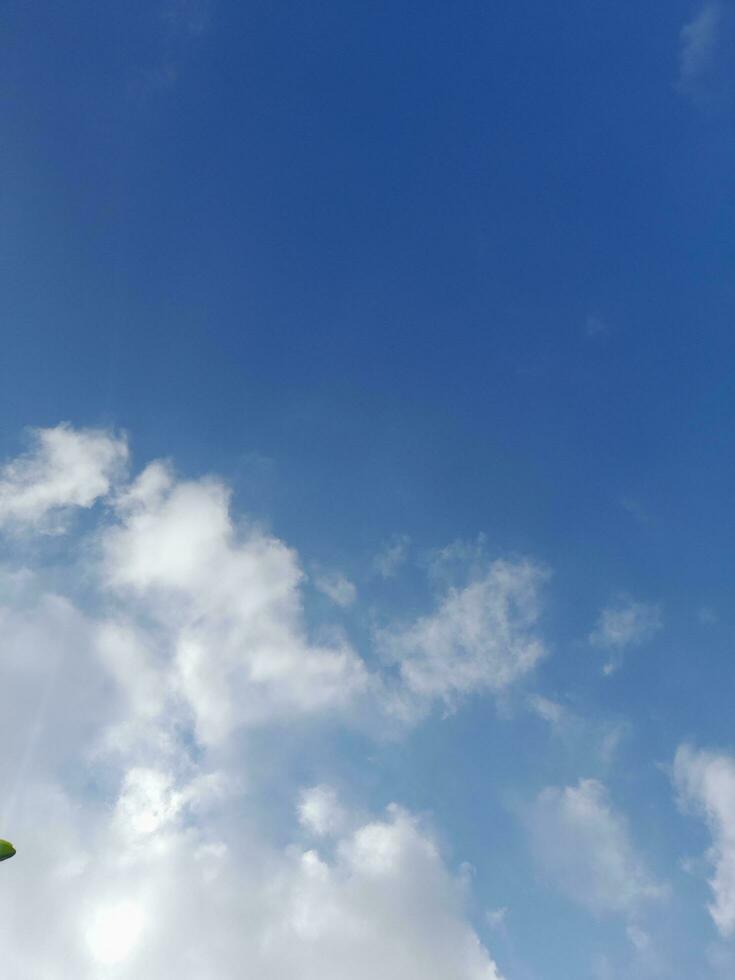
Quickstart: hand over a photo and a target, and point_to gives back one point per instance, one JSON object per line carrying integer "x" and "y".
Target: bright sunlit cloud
{"x": 115, "y": 931}
{"x": 194, "y": 633}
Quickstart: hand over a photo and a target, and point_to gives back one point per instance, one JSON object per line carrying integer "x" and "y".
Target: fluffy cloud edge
{"x": 65, "y": 469}
{"x": 705, "y": 783}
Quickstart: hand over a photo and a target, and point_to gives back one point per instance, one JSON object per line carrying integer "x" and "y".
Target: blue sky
{"x": 427, "y": 310}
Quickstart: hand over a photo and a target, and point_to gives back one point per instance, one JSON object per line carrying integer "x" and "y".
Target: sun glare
{"x": 115, "y": 931}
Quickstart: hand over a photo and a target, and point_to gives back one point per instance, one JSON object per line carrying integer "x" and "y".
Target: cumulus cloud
{"x": 148, "y": 891}
{"x": 480, "y": 638}
{"x": 204, "y": 617}
{"x": 583, "y": 845}
{"x": 624, "y": 625}
{"x": 706, "y": 784}
{"x": 142, "y": 849}
{"x": 228, "y": 605}
{"x": 64, "y": 469}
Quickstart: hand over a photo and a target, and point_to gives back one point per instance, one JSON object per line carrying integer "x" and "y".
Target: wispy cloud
{"x": 548, "y": 710}
{"x": 705, "y": 67}
{"x": 583, "y": 844}
{"x": 707, "y": 616}
{"x": 480, "y": 638}
{"x": 698, "y": 43}
{"x": 624, "y": 625}
{"x": 391, "y": 556}
{"x": 175, "y": 25}
{"x": 336, "y": 587}
{"x": 635, "y": 508}
{"x": 187, "y": 18}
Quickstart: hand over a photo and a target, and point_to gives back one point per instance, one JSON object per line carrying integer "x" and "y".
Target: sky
{"x": 365, "y": 422}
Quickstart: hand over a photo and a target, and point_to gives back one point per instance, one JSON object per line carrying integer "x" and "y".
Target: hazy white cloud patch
{"x": 721, "y": 959}
{"x": 548, "y": 710}
{"x": 176, "y": 26}
{"x": 458, "y": 561}
{"x": 707, "y": 616}
{"x": 635, "y": 508}
{"x": 336, "y": 587}
{"x": 597, "y": 737}
{"x": 54, "y": 696}
{"x": 639, "y": 938}
{"x": 698, "y": 42}
{"x": 189, "y": 18}
{"x": 479, "y": 638}
{"x": 706, "y": 784}
{"x": 63, "y": 470}
{"x": 391, "y": 556}
{"x": 583, "y": 845}
{"x": 497, "y": 918}
{"x": 625, "y": 625}
{"x": 705, "y": 58}
{"x": 613, "y": 736}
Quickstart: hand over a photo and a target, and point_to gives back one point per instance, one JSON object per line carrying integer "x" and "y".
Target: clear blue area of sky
{"x": 425, "y": 268}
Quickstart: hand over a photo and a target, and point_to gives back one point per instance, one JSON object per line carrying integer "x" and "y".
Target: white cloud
{"x": 66, "y": 468}
{"x": 583, "y": 845}
{"x": 320, "y": 811}
{"x": 228, "y": 604}
{"x": 147, "y": 891}
{"x": 626, "y": 624}
{"x": 336, "y": 587}
{"x": 706, "y": 783}
{"x": 142, "y": 849}
{"x": 204, "y": 622}
{"x": 54, "y": 696}
{"x": 480, "y": 637}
